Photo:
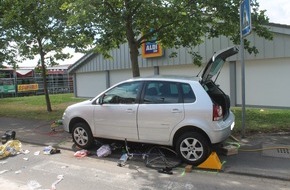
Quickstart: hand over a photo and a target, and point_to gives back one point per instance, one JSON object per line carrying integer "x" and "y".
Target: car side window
{"x": 125, "y": 93}
{"x": 187, "y": 92}
{"x": 161, "y": 92}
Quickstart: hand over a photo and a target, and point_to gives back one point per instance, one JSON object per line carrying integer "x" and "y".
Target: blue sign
{"x": 245, "y": 15}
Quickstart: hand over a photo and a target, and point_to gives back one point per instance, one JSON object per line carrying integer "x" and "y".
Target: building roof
{"x": 93, "y": 62}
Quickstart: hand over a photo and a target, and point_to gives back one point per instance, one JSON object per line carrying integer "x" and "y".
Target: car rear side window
{"x": 187, "y": 93}
{"x": 161, "y": 92}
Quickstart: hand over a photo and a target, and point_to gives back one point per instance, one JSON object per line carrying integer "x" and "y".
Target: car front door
{"x": 115, "y": 114}
{"x": 160, "y": 111}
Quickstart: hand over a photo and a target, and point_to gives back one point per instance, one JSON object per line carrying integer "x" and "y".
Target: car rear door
{"x": 160, "y": 110}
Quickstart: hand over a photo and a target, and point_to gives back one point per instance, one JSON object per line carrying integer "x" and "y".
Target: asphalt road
{"x": 246, "y": 170}
{"x": 64, "y": 171}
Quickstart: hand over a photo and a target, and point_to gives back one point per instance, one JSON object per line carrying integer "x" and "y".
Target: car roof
{"x": 167, "y": 78}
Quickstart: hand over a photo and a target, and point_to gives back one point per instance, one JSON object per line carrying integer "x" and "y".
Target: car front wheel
{"x": 82, "y": 135}
{"x": 193, "y": 148}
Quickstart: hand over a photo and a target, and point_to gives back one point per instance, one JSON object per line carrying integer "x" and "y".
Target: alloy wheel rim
{"x": 80, "y": 136}
{"x": 191, "y": 149}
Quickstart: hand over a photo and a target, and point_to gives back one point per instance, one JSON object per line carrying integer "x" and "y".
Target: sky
{"x": 278, "y": 12}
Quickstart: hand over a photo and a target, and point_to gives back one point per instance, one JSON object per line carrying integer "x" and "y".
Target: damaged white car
{"x": 187, "y": 113}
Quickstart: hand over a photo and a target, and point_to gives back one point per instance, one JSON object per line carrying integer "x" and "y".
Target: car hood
{"x": 86, "y": 102}
{"x": 216, "y": 63}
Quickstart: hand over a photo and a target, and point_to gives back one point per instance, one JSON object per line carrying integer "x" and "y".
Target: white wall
{"x": 266, "y": 82}
{"x": 90, "y": 84}
{"x": 119, "y": 75}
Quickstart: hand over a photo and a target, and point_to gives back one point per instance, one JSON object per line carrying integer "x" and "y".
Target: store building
{"x": 266, "y": 74}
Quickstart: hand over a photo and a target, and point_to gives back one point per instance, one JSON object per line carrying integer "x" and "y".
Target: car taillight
{"x": 217, "y": 112}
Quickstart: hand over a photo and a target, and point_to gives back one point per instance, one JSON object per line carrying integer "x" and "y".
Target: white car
{"x": 188, "y": 113}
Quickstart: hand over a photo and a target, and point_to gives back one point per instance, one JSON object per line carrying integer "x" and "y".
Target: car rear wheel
{"x": 82, "y": 135}
{"x": 193, "y": 148}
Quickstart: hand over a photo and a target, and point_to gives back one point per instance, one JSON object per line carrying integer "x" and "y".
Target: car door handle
{"x": 130, "y": 111}
{"x": 176, "y": 111}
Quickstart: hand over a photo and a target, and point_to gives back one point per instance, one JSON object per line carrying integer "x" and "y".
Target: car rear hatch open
{"x": 215, "y": 64}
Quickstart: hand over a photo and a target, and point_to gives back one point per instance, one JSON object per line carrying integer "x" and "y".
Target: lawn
{"x": 34, "y": 107}
{"x": 264, "y": 120}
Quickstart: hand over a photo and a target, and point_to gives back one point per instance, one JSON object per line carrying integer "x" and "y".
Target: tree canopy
{"x": 34, "y": 28}
{"x": 173, "y": 23}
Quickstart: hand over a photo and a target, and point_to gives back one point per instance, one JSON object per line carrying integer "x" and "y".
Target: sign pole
{"x": 243, "y": 87}
{"x": 245, "y": 29}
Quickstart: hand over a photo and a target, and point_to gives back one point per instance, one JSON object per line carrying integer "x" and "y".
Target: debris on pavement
{"x": 12, "y": 147}
{"x": 55, "y": 124}
{"x": 81, "y": 153}
{"x": 3, "y": 171}
{"x": 59, "y": 178}
{"x": 33, "y": 185}
{"x": 25, "y": 151}
{"x": 50, "y": 150}
{"x": 104, "y": 151}
{"x": 8, "y": 135}
{"x": 3, "y": 162}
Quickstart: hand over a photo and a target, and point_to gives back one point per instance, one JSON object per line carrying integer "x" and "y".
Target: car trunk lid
{"x": 216, "y": 63}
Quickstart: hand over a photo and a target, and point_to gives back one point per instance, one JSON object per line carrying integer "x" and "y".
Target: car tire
{"x": 193, "y": 148}
{"x": 82, "y": 135}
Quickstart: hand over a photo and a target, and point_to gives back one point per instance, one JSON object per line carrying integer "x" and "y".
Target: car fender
{"x": 195, "y": 123}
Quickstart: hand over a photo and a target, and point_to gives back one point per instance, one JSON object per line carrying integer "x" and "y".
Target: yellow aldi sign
{"x": 151, "y": 48}
{"x": 27, "y": 87}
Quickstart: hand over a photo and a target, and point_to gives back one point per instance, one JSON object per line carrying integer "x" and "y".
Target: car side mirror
{"x": 100, "y": 100}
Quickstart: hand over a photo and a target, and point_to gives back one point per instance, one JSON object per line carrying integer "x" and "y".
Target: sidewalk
{"x": 260, "y": 155}
{"x": 36, "y": 132}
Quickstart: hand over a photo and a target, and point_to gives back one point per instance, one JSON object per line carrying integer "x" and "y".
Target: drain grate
{"x": 276, "y": 150}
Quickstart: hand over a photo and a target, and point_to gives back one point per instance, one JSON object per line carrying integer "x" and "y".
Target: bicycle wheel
{"x": 160, "y": 157}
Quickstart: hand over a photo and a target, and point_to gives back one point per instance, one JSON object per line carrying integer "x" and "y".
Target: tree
{"x": 174, "y": 23}
{"x": 35, "y": 28}
{"x": 7, "y": 53}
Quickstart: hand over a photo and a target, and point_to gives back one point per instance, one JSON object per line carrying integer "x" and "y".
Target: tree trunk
{"x": 48, "y": 105}
{"x": 134, "y": 53}
{"x": 133, "y": 45}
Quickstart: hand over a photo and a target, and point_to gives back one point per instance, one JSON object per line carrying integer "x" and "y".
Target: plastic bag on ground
{"x": 104, "y": 151}
{"x": 12, "y": 147}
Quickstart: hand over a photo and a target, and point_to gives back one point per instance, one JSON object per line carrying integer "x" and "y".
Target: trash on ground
{"x": 25, "y": 151}
{"x": 104, "y": 151}
{"x": 3, "y": 162}
{"x": 50, "y": 150}
{"x": 26, "y": 159}
{"x": 3, "y": 171}
{"x": 33, "y": 185}
{"x": 8, "y": 135}
{"x": 18, "y": 172}
{"x": 123, "y": 160}
{"x": 47, "y": 149}
{"x": 12, "y": 147}
{"x": 36, "y": 153}
{"x": 166, "y": 171}
{"x": 59, "y": 178}
{"x": 55, "y": 124}
{"x": 81, "y": 153}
